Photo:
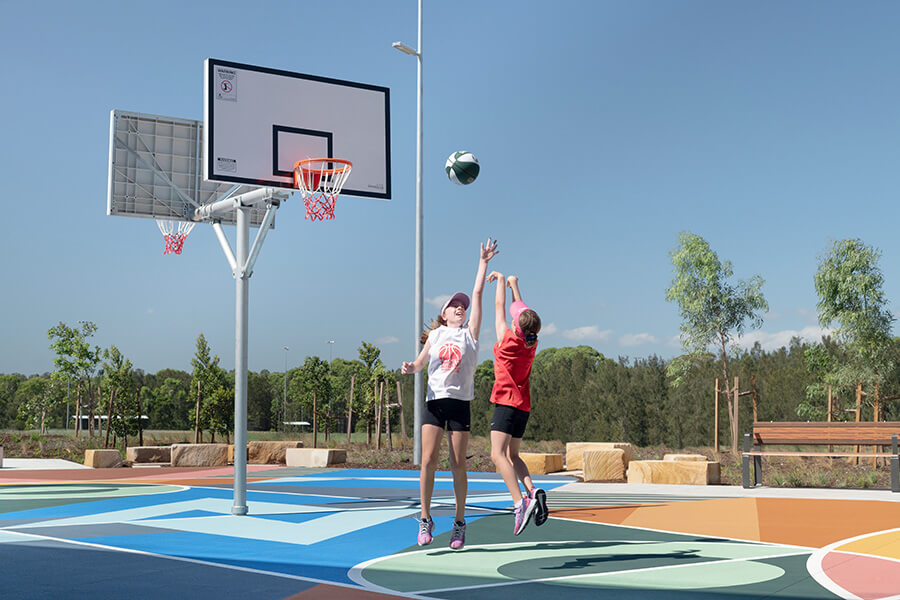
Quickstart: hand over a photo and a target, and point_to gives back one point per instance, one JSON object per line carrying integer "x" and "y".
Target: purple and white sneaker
{"x": 523, "y": 514}
{"x": 458, "y": 537}
{"x": 426, "y": 526}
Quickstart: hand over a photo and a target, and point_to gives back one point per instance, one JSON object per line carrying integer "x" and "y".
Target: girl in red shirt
{"x": 513, "y": 355}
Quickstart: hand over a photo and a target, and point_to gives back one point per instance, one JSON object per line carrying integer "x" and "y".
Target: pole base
{"x": 239, "y": 511}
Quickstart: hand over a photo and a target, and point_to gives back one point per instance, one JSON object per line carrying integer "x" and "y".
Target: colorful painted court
{"x": 168, "y": 532}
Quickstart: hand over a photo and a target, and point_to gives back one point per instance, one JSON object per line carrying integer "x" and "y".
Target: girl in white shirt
{"x": 451, "y": 353}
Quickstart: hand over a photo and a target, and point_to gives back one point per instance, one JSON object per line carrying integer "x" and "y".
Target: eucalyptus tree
{"x": 206, "y": 379}
{"x": 714, "y": 311}
{"x": 76, "y": 361}
{"x": 850, "y": 286}
{"x": 122, "y": 408}
{"x": 37, "y": 397}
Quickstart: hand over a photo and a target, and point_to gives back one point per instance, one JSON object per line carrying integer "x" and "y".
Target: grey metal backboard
{"x": 154, "y": 170}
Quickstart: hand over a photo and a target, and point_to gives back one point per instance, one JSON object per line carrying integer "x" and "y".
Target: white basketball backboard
{"x": 154, "y": 170}
{"x": 260, "y": 121}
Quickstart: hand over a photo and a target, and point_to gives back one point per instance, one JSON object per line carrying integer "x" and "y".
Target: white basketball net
{"x": 319, "y": 181}
{"x": 174, "y": 233}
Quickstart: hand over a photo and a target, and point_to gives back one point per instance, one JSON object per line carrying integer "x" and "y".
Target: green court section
{"x": 17, "y": 497}
{"x": 581, "y": 558}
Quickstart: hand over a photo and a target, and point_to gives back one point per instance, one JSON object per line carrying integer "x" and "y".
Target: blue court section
{"x": 310, "y": 526}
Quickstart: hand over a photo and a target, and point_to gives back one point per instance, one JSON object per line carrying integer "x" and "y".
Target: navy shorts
{"x": 448, "y": 413}
{"x": 509, "y": 420}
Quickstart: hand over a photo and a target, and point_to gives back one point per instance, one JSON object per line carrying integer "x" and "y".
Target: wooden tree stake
{"x": 402, "y": 418}
{"x": 350, "y": 411}
{"x": 716, "y": 421}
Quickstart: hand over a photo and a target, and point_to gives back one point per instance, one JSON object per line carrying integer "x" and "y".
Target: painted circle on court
{"x": 81, "y": 491}
{"x": 673, "y": 565}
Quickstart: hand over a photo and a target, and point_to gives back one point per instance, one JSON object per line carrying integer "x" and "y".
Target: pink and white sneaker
{"x": 523, "y": 514}
{"x": 458, "y": 537}
{"x": 426, "y": 526}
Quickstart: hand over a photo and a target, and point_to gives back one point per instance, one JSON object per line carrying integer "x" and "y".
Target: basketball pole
{"x": 241, "y": 262}
{"x": 242, "y": 285}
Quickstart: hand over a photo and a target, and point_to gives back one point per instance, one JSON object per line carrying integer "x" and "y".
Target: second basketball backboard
{"x": 260, "y": 121}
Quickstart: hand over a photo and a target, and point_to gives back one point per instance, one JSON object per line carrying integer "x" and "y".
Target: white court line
{"x": 814, "y": 565}
{"x": 211, "y": 564}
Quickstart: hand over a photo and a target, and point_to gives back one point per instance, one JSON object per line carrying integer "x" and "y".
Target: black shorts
{"x": 509, "y": 420}
{"x": 448, "y": 413}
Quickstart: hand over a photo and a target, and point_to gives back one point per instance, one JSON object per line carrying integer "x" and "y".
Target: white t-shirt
{"x": 451, "y": 363}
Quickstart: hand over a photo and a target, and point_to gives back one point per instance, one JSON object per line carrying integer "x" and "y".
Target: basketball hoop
{"x": 320, "y": 181}
{"x": 173, "y": 235}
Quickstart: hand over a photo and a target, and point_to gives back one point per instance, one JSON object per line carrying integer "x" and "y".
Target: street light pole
{"x": 419, "y": 378}
{"x": 284, "y": 398}
{"x": 330, "y": 351}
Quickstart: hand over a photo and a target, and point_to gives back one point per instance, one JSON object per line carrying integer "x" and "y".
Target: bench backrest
{"x": 825, "y": 433}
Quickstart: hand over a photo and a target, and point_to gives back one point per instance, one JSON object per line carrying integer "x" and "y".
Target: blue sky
{"x": 603, "y": 130}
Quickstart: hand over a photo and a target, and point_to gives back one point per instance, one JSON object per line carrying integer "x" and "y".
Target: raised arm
{"x": 513, "y": 283}
{"x": 499, "y": 304}
{"x": 418, "y": 364}
{"x": 488, "y": 251}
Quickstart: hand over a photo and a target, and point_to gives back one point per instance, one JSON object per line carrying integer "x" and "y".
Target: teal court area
{"x": 168, "y": 532}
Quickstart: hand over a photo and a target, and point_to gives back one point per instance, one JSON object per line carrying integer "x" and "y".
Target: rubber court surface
{"x": 322, "y": 534}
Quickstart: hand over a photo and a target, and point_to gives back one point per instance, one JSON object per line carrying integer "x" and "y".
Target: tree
{"x": 313, "y": 378}
{"x": 37, "y": 397}
{"x": 124, "y": 418}
{"x": 8, "y": 406}
{"x": 370, "y": 355}
{"x": 76, "y": 361}
{"x": 209, "y": 377}
{"x": 850, "y": 285}
{"x": 713, "y": 310}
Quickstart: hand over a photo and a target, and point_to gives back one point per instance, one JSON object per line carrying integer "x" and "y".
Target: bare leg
{"x": 519, "y": 464}
{"x": 500, "y": 455}
{"x": 431, "y": 447}
{"x": 459, "y": 441}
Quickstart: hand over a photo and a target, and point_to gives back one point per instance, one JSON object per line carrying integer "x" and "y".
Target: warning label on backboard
{"x": 226, "y": 165}
{"x": 225, "y": 84}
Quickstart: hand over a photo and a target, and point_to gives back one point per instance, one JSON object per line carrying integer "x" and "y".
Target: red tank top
{"x": 512, "y": 371}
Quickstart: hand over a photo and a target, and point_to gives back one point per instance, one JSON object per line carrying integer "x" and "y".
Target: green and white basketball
{"x": 462, "y": 167}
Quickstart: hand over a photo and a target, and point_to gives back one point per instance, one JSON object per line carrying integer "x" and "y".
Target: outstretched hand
{"x": 511, "y": 280}
{"x": 494, "y": 276}
{"x": 489, "y": 250}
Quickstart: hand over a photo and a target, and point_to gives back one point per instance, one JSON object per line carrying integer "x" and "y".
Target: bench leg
{"x": 745, "y": 463}
{"x": 895, "y": 466}
{"x": 757, "y": 470}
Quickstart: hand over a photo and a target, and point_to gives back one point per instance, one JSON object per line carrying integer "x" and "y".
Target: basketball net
{"x": 174, "y": 235}
{"x": 319, "y": 181}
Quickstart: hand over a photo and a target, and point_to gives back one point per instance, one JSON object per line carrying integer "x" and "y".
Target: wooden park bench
{"x": 819, "y": 434}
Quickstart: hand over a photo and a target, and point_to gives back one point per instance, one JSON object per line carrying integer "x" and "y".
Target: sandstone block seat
{"x": 575, "y": 450}
{"x": 149, "y": 454}
{"x": 314, "y": 457}
{"x": 199, "y": 455}
{"x": 102, "y": 458}
{"x": 604, "y": 465}
{"x": 541, "y": 463}
{"x": 685, "y": 472}
{"x": 266, "y": 452}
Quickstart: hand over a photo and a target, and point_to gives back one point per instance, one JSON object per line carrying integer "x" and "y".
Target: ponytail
{"x": 435, "y": 323}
